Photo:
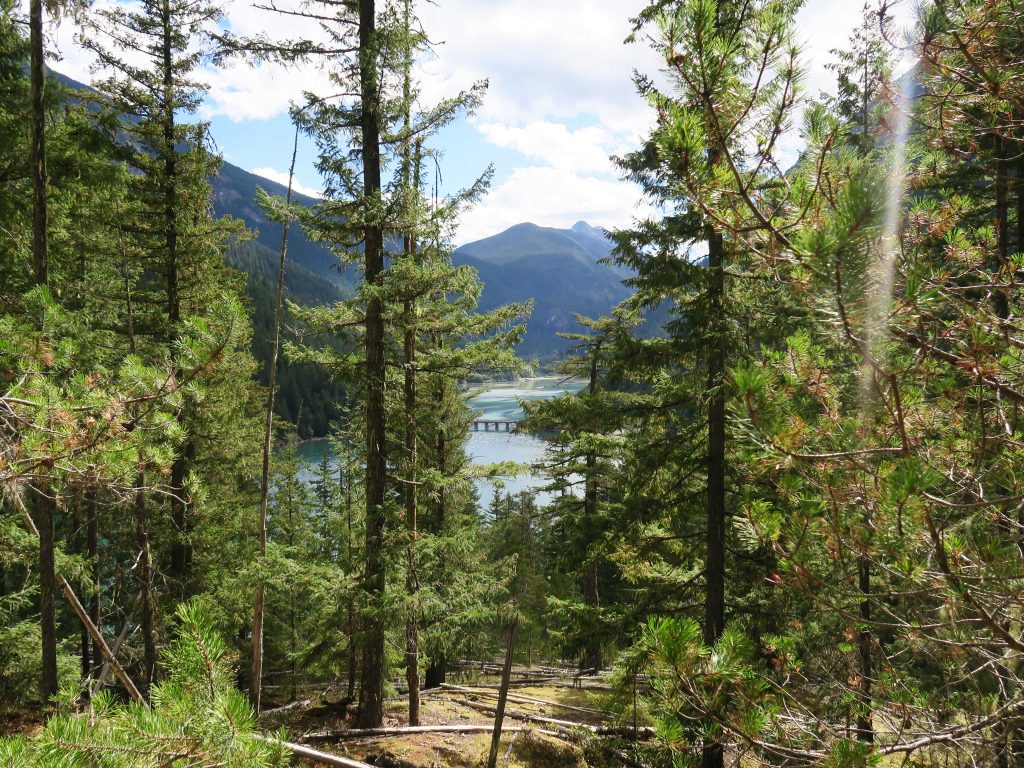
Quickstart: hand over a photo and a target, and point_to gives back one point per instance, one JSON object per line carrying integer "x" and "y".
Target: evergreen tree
{"x": 586, "y": 452}
{"x": 732, "y": 79}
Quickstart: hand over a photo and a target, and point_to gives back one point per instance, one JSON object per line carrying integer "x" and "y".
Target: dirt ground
{"x": 526, "y": 747}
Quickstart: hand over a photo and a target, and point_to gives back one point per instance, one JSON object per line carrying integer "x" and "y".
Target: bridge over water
{"x": 499, "y": 425}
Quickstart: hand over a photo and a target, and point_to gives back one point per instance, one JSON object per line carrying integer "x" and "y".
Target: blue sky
{"x": 560, "y": 101}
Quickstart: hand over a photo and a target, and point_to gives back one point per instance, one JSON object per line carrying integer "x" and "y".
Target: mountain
{"x": 560, "y": 269}
{"x": 307, "y": 396}
{"x": 311, "y": 266}
{"x": 312, "y": 276}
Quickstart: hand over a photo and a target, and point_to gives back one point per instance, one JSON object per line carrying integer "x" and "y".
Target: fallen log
{"x": 540, "y": 681}
{"x": 600, "y": 730}
{"x": 525, "y": 700}
{"x": 300, "y": 704}
{"x": 90, "y": 627}
{"x": 402, "y": 730}
{"x": 316, "y": 756}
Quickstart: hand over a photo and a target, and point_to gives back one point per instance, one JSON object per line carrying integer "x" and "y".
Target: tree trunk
{"x": 40, "y": 240}
{"x": 592, "y": 658}
{"x": 83, "y": 616}
{"x": 145, "y": 570}
{"x": 1000, "y": 298}
{"x": 412, "y": 674}
{"x": 1019, "y": 188}
{"x": 412, "y": 669}
{"x": 714, "y": 566}
{"x": 47, "y": 589}
{"x": 864, "y": 727}
{"x": 371, "y": 690}
{"x": 82, "y": 547}
{"x": 256, "y": 662}
{"x": 437, "y": 672}
{"x": 181, "y": 549}
{"x": 350, "y": 628}
{"x": 92, "y": 535}
{"x": 44, "y": 504}
{"x": 499, "y": 714}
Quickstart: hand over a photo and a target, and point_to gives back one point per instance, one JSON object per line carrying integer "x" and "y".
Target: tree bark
{"x": 714, "y": 566}
{"x": 147, "y": 620}
{"x": 864, "y": 727}
{"x": 412, "y": 673}
{"x": 181, "y": 548}
{"x": 47, "y": 589}
{"x": 92, "y": 535}
{"x": 350, "y": 628}
{"x": 82, "y": 547}
{"x": 44, "y": 503}
{"x": 499, "y": 714}
{"x": 1019, "y": 189}
{"x": 437, "y": 671}
{"x": 371, "y": 690}
{"x": 593, "y": 657}
{"x": 83, "y": 616}
{"x": 1000, "y": 299}
{"x": 40, "y": 239}
{"x": 412, "y": 669}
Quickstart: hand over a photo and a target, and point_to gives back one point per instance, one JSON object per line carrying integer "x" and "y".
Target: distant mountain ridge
{"x": 560, "y": 269}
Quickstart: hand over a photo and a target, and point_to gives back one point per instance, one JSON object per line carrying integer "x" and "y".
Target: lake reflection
{"x": 498, "y": 401}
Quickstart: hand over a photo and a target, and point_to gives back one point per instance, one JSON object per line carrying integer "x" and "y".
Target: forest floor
{"x": 551, "y": 721}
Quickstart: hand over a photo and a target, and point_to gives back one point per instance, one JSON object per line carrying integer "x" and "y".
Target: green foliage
{"x": 197, "y": 716}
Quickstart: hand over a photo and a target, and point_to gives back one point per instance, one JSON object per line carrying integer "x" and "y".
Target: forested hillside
{"x": 787, "y": 530}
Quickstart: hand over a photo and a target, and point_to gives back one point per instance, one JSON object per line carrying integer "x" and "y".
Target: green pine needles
{"x": 197, "y": 717}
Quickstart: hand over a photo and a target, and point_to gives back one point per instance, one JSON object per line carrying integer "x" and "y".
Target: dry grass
{"x": 525, "y": 749}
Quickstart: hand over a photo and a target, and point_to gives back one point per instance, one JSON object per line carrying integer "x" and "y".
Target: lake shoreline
{"x": 496, "y": 400}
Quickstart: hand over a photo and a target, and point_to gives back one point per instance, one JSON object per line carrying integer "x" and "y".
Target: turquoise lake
{"x": 494, "y": 401}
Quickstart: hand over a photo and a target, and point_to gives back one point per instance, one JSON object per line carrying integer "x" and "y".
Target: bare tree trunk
{"x": 256, "y": 663}
{"x": 40, "y": 235}
{"x": 371, "y": 690}
{"x": 499, "y": 716}
{"x": 594, "y": 656}
{"x": 411, "y": 181}
{"x": 1019, "y": 188}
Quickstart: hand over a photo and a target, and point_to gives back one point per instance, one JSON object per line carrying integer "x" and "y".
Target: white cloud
{"x": 583, "y": 150}
{"x": 553, "y": 197}
{"x": 561, "y": 91}
{"x": 241, "y": 92}
{"x": 281, "y": 177}
{"x": 544, "y": 60}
